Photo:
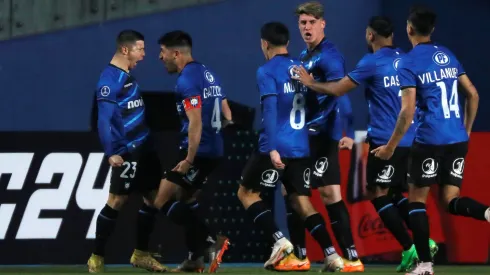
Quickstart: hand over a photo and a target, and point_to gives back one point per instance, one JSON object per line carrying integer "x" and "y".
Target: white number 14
{"x": 453, "y": 104}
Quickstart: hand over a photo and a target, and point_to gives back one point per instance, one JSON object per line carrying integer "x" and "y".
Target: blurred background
{"x": 53, "y": 177}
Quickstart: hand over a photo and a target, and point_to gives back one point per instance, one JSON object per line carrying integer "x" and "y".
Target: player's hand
{"x": 383, "y": 152}
{"x": 182, "y": 167}
{"x": 225, "y": 123}
{"x": 346, "y": 143}
{"x": 116, "y": 161}
{"x": 276, "y": 160}
{"x": 303, "y": 76}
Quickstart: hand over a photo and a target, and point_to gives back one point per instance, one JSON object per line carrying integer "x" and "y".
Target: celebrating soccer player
{"x": 123, "y": 134}
{"x": 431, "y": 73}
{"x": 201, "y": 100}
{"x": 326, "y": 63}
{"x": 283, "y": 154}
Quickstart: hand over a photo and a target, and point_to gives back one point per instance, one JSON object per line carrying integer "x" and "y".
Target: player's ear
{"x": 323, "y": 23}
{"x": 124, "y": 50}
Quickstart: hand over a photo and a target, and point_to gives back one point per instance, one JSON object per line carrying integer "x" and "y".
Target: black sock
{"x": 178, "y": 212}
{"x": 106, "y": 222}
{"x": 200, "y": 236}
{"x": 420, "y": 229}
{"x": 261, "y": 215}
{"x": 201, "y": 215}
{"x": 316, "y": 226}
{"x": 296, "y": 231}
{"x": 145, "y": 223}
{"x": 340, "y": 222}
{"x": 467, "y": 207}
{"x": 402, "y": 204}
{"x": 391, "y": 218}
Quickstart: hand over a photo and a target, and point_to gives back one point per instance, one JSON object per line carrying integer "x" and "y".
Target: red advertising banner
{"x": 466, "y": 240}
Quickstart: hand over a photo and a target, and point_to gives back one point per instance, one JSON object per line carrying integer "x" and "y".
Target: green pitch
{"x": 370, "y": 270}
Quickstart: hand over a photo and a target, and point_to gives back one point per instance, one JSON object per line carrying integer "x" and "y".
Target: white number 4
{"x": 216, "y": 117}
{"x": 128, "y": 165}
{"x": 453, "y": 104}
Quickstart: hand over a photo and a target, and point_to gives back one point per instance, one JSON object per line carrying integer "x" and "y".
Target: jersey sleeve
{"x": 266, "y": 83}
{"x": 333, "y": 67}
{"x": 107, "y": 90}
{"x": 406, "y": 74}
{"x": 364, "y": 70}
{"x": 190, "y": 92}
{"x": 461, "y": 70}
{"x": 346, "y": 115}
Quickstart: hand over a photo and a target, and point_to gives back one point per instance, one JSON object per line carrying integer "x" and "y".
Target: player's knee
{"x": 116, "y": 202}
{"x": 377, "y": 192}
{"x": 302, "y": 206}
{"x": 330, "y": 194}
{"x": 244, "y": 193}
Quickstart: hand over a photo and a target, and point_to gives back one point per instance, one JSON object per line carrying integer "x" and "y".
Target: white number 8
{"x": 298, "y": 106}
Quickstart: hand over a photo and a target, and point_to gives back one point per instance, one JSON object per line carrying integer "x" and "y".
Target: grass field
{"x": 226, "y": 269}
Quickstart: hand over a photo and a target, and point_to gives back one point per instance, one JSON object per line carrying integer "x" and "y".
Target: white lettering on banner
{"x": 89, "y": 198}
{"x": 31, "y": 226}
{"x": 67, "y": 164}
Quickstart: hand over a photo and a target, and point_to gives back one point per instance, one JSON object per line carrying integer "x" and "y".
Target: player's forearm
{"x": 226, "y": 110}
{"x": 402, "y": 124}
{"x": 471, "y": 109}
{"x": 327, "y": 88}
{"x": 270, "y": 118}
{"x": 194, "y": 135}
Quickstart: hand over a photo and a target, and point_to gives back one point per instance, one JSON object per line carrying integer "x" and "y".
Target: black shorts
{"x": 443, "y": 164}
{"x": 139, "y": 172}
{"x": 259, "y": 173}
{"x": 197, "y": 174}
{"x": 387, "y": 173}
{"x": 325, "y": 166}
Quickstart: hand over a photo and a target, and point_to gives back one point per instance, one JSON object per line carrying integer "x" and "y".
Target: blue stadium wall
{"x": 48, "y": 80}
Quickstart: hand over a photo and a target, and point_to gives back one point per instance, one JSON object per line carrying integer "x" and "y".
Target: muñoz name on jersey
{"x": 378, "y": 71}
{"x": 434, "y": 70}
{"x": 274, "y": 79}
{"x": 198, "y": 87}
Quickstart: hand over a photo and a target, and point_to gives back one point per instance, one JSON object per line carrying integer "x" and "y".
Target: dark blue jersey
{"x": 434, "y": 70}
{"x": 283, "y": 109}
{"x": 343, "y": 119}
{"x": 379, "y": 72}
{"x": 199, "y": 87}
{"x": 326, "y": 64}
{"x": 121, "y": 112}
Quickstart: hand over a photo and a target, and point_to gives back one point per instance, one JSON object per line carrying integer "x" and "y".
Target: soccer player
{"x": 429, "y": 76}
{"x": 283, "y": 153}
{"x": 378, "y": 71}
{"x": 124, "y": 137}
{"x": 322, "y": 59}
{"x": 200, "y": 102}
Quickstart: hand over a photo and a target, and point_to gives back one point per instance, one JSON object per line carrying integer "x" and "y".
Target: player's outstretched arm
{"x": 226, "y": 109}
{"x": 405, "y": 117}
{"x": 194, "y": 132}
{"x": 334, "y": 88}
{"x": 472, "y": 99}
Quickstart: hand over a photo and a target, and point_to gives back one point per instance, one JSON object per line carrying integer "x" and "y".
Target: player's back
{"x": 434, "y": 70}
{"x": 384, "y": 96}
{"x": 292, "y": 134}
{"x": 198, "y": 80}
{"x": 128, "y": 126}
{"x": 325, "y": 63}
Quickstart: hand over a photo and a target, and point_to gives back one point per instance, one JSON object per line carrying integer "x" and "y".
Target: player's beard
{"x": 370, "y": 48}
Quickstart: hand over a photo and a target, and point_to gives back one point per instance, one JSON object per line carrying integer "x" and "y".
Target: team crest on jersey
{"x": 395, "y": 63}
{"x": 209, "y": 77}
{"x": 321, "y": 166}
{"x": 291, "y": 71}
{"x": 385, "y": 175}
{"x": 441, "y": 58}
{"x": 458, "y": 168}
{"x": 105, "y": 91}
{"x": 192, "y": 103}
{"x": 269, "y": 178}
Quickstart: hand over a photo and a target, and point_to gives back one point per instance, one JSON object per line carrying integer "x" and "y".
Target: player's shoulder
{"x": 329, "y": 49}
{"x": 112, "y": 76}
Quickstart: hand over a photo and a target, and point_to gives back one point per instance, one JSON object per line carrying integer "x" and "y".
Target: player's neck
{"x": 377, "y": 47}
{"x": 275, "y": 51}
{"x": 183, "y": 62}
{"x": 415, "y": 40}
{"x": 313, "y": 45}
{"x": 120, "y": 62}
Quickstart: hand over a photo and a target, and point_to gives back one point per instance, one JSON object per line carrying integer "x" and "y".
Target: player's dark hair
{"x": 313, "y": 8}
{"x": 381, "y": 25}
{"x": 276, "y": 33}
{"x": 175, "y": 39}
{"x": 128, "y": 37}
{"x": 422, "y": 19}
